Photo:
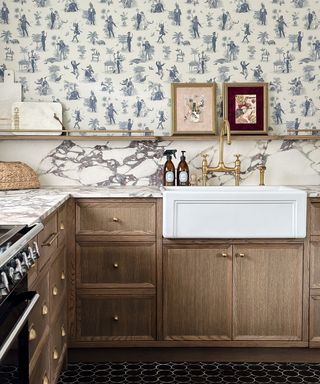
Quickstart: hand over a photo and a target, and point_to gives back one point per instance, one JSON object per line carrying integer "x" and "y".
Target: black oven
{"x": 16, "y": 302}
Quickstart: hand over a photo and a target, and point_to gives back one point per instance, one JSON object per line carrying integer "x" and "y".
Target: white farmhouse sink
{"x": 234, "y": 212}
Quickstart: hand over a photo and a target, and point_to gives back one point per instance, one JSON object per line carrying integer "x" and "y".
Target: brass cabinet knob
{"x": 115, "y": 265}
{"x": 44, "y": 310}
{"x": 115, "y": 219}
{"x": 55, "y": 354}
{"x": 45, "y": 379}
{"x": 63, "y": 276}
{"x": 32, "y": 334}
{"x": 116, "y": 318}
{"x": 224, "y": 254}
{"x": 61, "y": 226}
{"x": 240, "y": 254}
{"x": 55, "y": 291}
{"x": 63, "y": 331}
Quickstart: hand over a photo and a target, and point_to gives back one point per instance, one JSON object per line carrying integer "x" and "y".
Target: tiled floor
{"x": 126, "y": 373}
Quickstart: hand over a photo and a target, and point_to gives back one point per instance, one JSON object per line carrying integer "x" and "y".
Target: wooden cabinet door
{"x": 267, "y": 292}
{"x": 197, "y": 292}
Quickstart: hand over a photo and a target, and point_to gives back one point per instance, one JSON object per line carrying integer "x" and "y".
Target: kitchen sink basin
{"x": 234, "y": 212}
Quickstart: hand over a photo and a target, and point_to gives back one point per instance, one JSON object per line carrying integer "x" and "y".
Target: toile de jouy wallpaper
{"x": 111, "y": 62}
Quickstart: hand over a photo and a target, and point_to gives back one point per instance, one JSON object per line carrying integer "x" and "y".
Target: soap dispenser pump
{"x": 169, "y": 171}
{"x": 183, "y": 171}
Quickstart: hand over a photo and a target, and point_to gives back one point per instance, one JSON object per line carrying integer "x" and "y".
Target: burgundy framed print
{"x": 246, "y": 108}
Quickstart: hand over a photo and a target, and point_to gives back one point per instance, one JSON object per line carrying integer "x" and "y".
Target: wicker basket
{"x": 17, "y": 175}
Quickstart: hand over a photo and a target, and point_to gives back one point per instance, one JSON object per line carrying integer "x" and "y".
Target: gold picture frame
{"x": 193, "y": 108}
{"x": 245, "y": 106}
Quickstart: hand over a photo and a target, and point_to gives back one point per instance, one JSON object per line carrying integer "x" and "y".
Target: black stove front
{"x": 16, "y": 302}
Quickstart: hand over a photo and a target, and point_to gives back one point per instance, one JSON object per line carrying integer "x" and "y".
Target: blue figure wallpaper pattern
{"x": 111, "y": 62}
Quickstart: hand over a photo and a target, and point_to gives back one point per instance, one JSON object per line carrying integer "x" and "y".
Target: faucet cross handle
{"x": 237, "y": 156}
{"x": 205, "y": 156}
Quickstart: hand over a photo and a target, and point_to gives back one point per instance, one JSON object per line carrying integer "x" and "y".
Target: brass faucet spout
{"x": 221, "y": 167}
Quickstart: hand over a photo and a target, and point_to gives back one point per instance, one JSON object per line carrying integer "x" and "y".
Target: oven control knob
{"x": 24, "y": 262}
{"x": 18, "y": 270}
{"x": 10, "y": 274}
{"x": 4, "y": 285}
{"x": 36, "y": 251}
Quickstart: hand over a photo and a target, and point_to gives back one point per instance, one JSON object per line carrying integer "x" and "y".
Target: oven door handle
{"x": 18, "y": 326}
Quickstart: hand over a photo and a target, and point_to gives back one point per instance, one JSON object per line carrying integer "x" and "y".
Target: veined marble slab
{"x": 29, "y": 206}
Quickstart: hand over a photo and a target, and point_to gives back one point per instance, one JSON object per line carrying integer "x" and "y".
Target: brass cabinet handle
{"x": 55, "y": 354}
{"x": 55, "y": 291}
{"x": 61, "y": 226}
{"x": 63, "y": 276}
{"x": 240, "y": 255}
{"x": 115, "y": 265}
{"x": 63, "y": 331}
{"x": 44, "y": 310}
{"x": 32, "y": 334}
{"x": 50, "y": 240}
{"x": 45, "y": 379}
{"x": 115, "y": 219}
{"x": 223, "y": 254}
{"x": 116, "y": 318}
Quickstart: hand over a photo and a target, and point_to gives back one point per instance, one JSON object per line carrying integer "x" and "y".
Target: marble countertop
{"x": 29, "y": 206}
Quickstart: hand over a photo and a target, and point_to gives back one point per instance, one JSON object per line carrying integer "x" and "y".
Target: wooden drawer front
{"x": 41, "y": 371}
{"x": 58, "y": 342}
{"x": 115, "y": 263}
{"x": 39, "y": 317}
{"x": 315, "y": 318}
{"x": 57, "y": 281}
{"x": 315, "y": 264}
{"x": 123, "y": 218}
{"x": 315, "y": 219}
{"x": 62, "y": 225}
{"x": 103, "y": 317}
{"x": 48, "y": 240}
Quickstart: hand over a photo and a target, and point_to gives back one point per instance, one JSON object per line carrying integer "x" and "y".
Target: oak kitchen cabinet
{"x": 314, "y": 251}
{"x": 48, "y": 320}
{"x": 241, "y": 292}
{"x": 115, "y": 271}
{"x": 131, "y": 287}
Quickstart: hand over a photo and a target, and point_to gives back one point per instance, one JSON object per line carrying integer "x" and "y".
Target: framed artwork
{"x": 193, "y": 108}
{"x": 246, "y": 107}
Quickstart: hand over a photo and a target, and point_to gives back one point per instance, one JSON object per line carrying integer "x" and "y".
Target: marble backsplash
{"x": 90, "y": 163}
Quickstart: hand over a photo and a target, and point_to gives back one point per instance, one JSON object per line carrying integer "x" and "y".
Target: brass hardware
{"x": 63, "y": 331}
{"x": 116, "y": 265}
{"x": 224, "y": 254}
{"x": 45, "y": 379}
{"x": 116, "y": 318}
{"x": 115, "y": 220}
{"x": 55, "y": 354}
{"x": 50, "y": 240}
{"x": 221, "y": 167}
{"x": 55, "y": 291}
{"x": 262, "y": 170}
{"x": 32, "y": 334}
{"x": 61, "y": 226}
{"x": 63, "y": 276}
{"x": 45, "y": 310}
{"x": 240, "y": 254}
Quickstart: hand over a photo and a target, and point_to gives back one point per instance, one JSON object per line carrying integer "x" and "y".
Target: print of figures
{"x": 245, "y": 109}
{"x": 91, "y": 14}
{"x": 5, "y": 13}
{"x": 193, "y": 109}
{"x": 118, "y": 58}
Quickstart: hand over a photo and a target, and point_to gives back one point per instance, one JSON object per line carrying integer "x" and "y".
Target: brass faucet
{"x": 221, "y": 167}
